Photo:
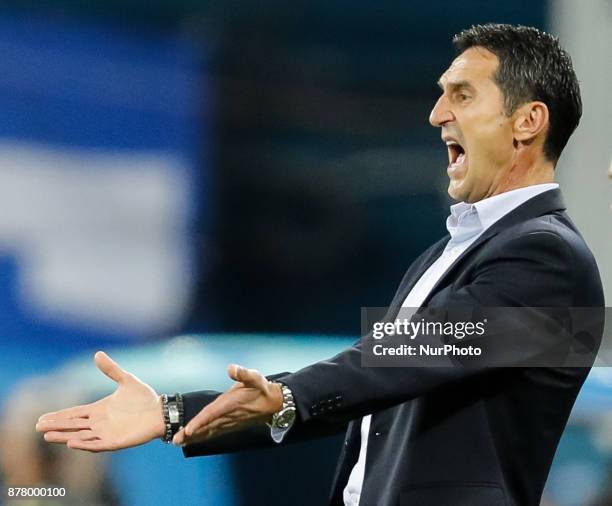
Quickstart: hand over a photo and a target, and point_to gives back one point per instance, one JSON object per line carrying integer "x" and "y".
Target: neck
{"x": 524, "y": 173}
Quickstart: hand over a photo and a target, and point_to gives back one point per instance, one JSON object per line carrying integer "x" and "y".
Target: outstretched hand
{"x": 130, "y": 416}
{"x": 251, "y": 399}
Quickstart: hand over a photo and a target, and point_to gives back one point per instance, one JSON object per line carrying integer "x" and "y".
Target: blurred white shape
{"x": 100, "y": 237}
{"x": 576, "y": 482}
{"x": 585, "y": 30}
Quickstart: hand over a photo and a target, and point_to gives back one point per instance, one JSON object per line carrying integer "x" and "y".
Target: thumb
{"x": 248, "y": 377}
{"x": 109, "y": 367}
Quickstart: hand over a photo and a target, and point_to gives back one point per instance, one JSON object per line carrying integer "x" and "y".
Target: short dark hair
{"x": 532, "y": 66}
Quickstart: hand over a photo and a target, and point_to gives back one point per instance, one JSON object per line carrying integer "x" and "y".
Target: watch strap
{"x": 174, "y": 415}
{"x": 283, "y": 419}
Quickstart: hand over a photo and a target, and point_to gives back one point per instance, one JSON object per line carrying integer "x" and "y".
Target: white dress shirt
{"x": 465, "y": 224}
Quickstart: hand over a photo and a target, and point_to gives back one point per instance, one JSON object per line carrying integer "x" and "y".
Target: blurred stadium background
{"x": 185, "y": 184}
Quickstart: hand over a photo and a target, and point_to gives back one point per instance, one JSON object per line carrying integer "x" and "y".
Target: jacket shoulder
{"x": 555, "y": 230}
{"x": 553, "y": 239}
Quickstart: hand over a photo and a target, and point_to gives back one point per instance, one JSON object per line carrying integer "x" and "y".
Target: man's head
{"x": 510, "y": 102}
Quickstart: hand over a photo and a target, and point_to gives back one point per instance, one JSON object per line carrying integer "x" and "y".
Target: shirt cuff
{"x": 279, "y": 434}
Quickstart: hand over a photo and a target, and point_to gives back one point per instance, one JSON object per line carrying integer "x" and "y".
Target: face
{"x": 477, "y": 132}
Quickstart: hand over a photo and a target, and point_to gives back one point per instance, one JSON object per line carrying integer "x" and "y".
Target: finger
{"x": 57, "y": 437}
{"x": 214, "y": 410}
{"x": 69, "y": 424}
{"x": 215, "y": 428}
{"x": 73, "y": 412}
{"x": 179, "y": 438}
{"x": 198, "y": 437}
{"x": 64, "y": 437}
{"x": 217, "y": 421}
{"x": 233, "y": 371}
{"x": 248, "y": 377}
{"x": 195, "y": 423}
{"x": 83, "y": 435}
{"x": 109, "y": 367}
{"x": 95, "y": 445}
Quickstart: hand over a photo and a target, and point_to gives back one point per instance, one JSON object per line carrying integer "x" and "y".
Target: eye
{"x": 463, "y": 96}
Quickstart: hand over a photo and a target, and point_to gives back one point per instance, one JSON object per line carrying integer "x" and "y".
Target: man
{"x": 426, "y": 436}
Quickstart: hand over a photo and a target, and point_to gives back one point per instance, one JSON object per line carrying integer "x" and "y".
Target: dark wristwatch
{"x": 284, "y": 418}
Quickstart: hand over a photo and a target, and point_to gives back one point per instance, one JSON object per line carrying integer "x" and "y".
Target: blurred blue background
{"x": 189, "y": 184}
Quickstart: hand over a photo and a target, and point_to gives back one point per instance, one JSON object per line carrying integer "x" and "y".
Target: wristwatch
{"x": 284, "y": 418}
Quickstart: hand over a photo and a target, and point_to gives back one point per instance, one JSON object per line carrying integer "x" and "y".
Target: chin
{"x": 458, "y": 184}
{"x": 456, "y": 193}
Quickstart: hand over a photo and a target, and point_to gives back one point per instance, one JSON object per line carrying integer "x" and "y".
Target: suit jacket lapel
{"x": 416, "y": 270}
{"x": 544, "y": 203}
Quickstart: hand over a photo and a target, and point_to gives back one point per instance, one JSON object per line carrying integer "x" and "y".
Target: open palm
{"x": 130, "y": 416}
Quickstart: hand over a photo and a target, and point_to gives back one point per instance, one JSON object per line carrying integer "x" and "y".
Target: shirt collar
{"x": 467, "y": 220}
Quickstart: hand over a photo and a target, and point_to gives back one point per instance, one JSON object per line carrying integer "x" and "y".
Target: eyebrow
{"x": 455, "y": 85}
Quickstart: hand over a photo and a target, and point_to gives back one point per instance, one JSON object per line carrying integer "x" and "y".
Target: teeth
{"x": 459, "y": 159}
{"x": 452, "y": 143}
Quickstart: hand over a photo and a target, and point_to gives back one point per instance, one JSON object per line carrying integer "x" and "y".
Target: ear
{"x": 529, "y": 120}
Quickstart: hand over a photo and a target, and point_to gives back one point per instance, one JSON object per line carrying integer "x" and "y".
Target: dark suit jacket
{"x": 445, "y": 436}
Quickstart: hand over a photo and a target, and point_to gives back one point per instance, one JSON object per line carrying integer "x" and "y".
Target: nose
{"x": 441, "y": 113}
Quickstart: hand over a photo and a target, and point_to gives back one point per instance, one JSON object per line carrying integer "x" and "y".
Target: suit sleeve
{"x": 534, "y": 270}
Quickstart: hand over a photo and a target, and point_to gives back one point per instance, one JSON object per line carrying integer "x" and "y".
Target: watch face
{"x": 173, "y": 413}
{"x": 285, "y": 418}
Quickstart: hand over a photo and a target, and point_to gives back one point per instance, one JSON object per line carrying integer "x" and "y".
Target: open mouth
{"x": 456, "y": 153}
